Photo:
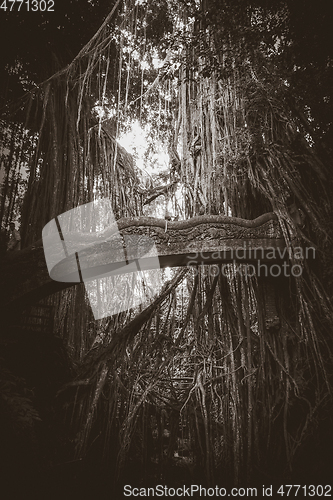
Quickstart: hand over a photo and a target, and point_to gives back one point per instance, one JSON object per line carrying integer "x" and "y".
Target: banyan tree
{"x": 222, "y": 378}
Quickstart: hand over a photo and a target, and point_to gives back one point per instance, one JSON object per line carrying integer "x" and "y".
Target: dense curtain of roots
{"x": 231, "y": 368}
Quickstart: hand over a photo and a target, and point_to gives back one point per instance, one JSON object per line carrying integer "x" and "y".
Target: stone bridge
{"x": 211, "y": 239}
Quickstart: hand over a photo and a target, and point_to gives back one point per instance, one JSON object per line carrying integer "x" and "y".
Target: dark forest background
{"x": 211, "y": 385}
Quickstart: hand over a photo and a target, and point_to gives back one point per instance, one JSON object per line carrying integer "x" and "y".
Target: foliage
{"x": 39, "y": 44}
{"x": 17, "y": 403}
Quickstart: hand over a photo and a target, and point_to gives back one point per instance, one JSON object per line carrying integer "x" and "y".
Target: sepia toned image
{"x": 166, "y": 264}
